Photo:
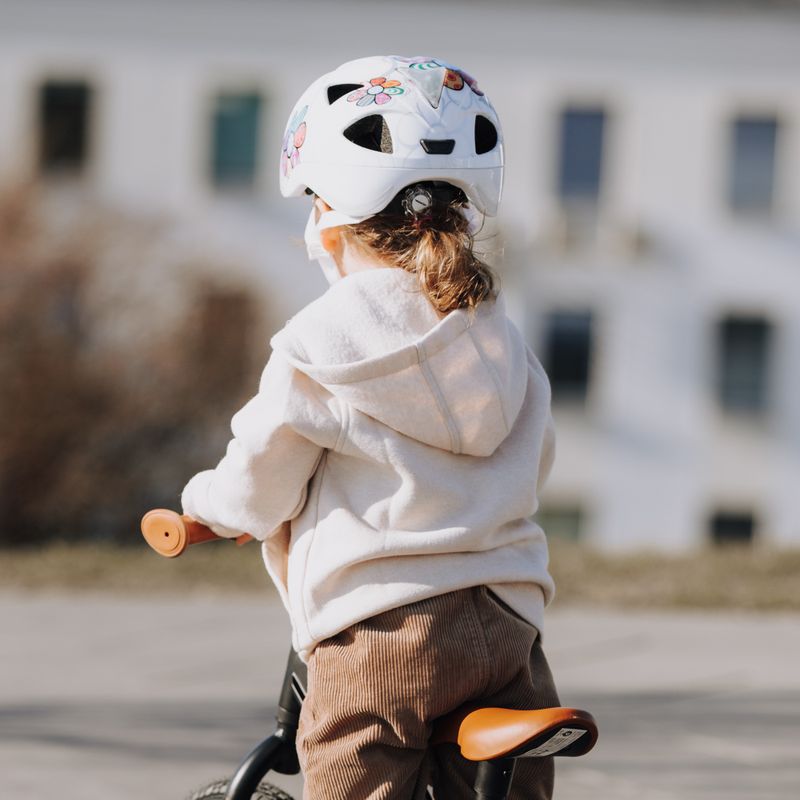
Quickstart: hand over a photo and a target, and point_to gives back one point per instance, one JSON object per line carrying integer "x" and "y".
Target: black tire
{"x": 217, "y": 790}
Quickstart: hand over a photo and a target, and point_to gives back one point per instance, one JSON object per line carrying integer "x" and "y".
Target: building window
{"x": 236, "y": 124}
{"x": 743, "y": 363}
{"x": 568, "y": 353}
{"x": 561, "y": 522}
{"x": 581, "y": 156}
{"x": 727, "y": 527}
{"x": 64, "y": 109}
{"x": 752, "y": 167}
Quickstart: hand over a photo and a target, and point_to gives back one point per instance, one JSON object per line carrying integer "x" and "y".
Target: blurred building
{"x": 650, "y": 224}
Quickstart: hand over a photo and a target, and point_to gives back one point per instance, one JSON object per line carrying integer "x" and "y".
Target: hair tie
{"x": 418, "y": 222}
{"x": 417, "y": 205}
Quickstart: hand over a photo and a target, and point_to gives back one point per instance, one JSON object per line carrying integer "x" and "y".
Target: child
{"x": 391, "y": 460}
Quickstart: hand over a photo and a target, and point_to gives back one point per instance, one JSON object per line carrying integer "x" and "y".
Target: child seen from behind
{"x": 392, "y": 458}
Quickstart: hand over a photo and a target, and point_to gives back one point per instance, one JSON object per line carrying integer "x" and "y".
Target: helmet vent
{"x": 370, "y": 132}
{"x": 485, "y": 135}
{"x": 340, "y": 89}
{"x": 438, "y": 146}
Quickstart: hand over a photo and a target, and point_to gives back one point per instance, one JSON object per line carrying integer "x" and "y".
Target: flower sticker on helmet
{"x": 470, "y": 81}
{"x": 378, "y": 90}
{"x": 453, "y": 80}
{"x": 456, "y": 78}
{"x": 427, "y": 63}
{"x": 293, "y": 140}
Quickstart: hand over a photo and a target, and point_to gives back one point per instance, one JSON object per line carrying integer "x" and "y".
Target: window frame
{"x": 764, "y": 392}
{"x": 255, "y": 182}
{"x": 733, "y": 514}
{"x": 65, "y": 172}
{"x": 561, "y": 396}
{"x": 578, "y": 202}
{"x": 773, "y": 209}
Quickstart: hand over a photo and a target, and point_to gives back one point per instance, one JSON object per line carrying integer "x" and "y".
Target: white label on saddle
{"x": 564, "y": 738}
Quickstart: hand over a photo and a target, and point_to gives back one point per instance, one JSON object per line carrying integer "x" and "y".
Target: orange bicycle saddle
{"x": 487, "y": 733}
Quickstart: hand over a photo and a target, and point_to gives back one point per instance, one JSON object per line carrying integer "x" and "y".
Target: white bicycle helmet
{"x": 360, "y": 134}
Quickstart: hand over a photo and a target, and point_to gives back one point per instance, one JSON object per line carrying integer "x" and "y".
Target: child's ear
{"x": 331, "y": 239}
{"x": 321, "y": 206}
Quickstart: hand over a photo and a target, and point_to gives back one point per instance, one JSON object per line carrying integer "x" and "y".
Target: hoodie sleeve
{"x": 278, "y": 439}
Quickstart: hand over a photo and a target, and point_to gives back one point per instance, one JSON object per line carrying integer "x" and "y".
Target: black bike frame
{"x": 277, "y": 752}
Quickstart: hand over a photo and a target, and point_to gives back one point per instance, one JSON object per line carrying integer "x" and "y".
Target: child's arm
{"x": 278, "y": 439}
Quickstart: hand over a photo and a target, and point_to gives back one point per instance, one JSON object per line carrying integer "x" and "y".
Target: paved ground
{"x": 142, "y": 699}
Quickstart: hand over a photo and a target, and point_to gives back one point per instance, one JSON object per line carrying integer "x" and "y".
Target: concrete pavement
{"x": 131, "y": 698}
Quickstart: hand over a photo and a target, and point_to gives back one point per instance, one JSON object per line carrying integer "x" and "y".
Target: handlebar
{"x": 170, "y": 533}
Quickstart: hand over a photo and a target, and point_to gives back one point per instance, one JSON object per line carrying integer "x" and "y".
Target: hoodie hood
{"x": 375, "y": 342}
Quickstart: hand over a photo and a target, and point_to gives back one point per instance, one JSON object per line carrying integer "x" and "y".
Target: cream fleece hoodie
{"x": 389, "y": 455}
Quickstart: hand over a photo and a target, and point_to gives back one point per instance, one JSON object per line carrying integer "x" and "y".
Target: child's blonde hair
{"x": 424, "y": 231}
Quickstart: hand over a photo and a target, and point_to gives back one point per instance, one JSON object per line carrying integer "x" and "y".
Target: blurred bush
{"x": 120, "y": 367}
{"x": 722, "y": 578}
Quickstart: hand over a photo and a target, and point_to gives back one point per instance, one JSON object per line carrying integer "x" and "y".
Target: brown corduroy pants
{"x": 375, "y": 689}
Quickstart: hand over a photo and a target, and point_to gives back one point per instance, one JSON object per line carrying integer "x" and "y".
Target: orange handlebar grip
{"x": 169, "y": 533}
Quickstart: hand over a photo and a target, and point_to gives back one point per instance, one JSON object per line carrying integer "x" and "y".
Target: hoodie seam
{"x": 434, "y": 341}
{"x": 455, "y": 438}
{"x": 344, "y": 425}
{"x": 494, "y": 376}
{"x": 305, "y": 587}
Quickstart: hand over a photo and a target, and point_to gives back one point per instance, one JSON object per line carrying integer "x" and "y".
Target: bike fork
{"x": 278, "y": 752}
{"x": 266, "y": 756}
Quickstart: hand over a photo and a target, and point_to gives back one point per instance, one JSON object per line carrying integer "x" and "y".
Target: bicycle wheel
{"x": 217, "y": 790}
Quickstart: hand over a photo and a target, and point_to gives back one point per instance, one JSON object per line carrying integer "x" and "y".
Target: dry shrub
{"x": 119, "y": 369}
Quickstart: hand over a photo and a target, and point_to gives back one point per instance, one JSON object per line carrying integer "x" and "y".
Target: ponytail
{"x": 424, "y": 231}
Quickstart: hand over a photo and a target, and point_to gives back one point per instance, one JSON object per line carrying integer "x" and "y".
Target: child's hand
{"x": 169, "y": 533}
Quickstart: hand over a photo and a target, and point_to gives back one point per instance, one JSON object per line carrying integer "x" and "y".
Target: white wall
{"x": 651, "y": 457}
